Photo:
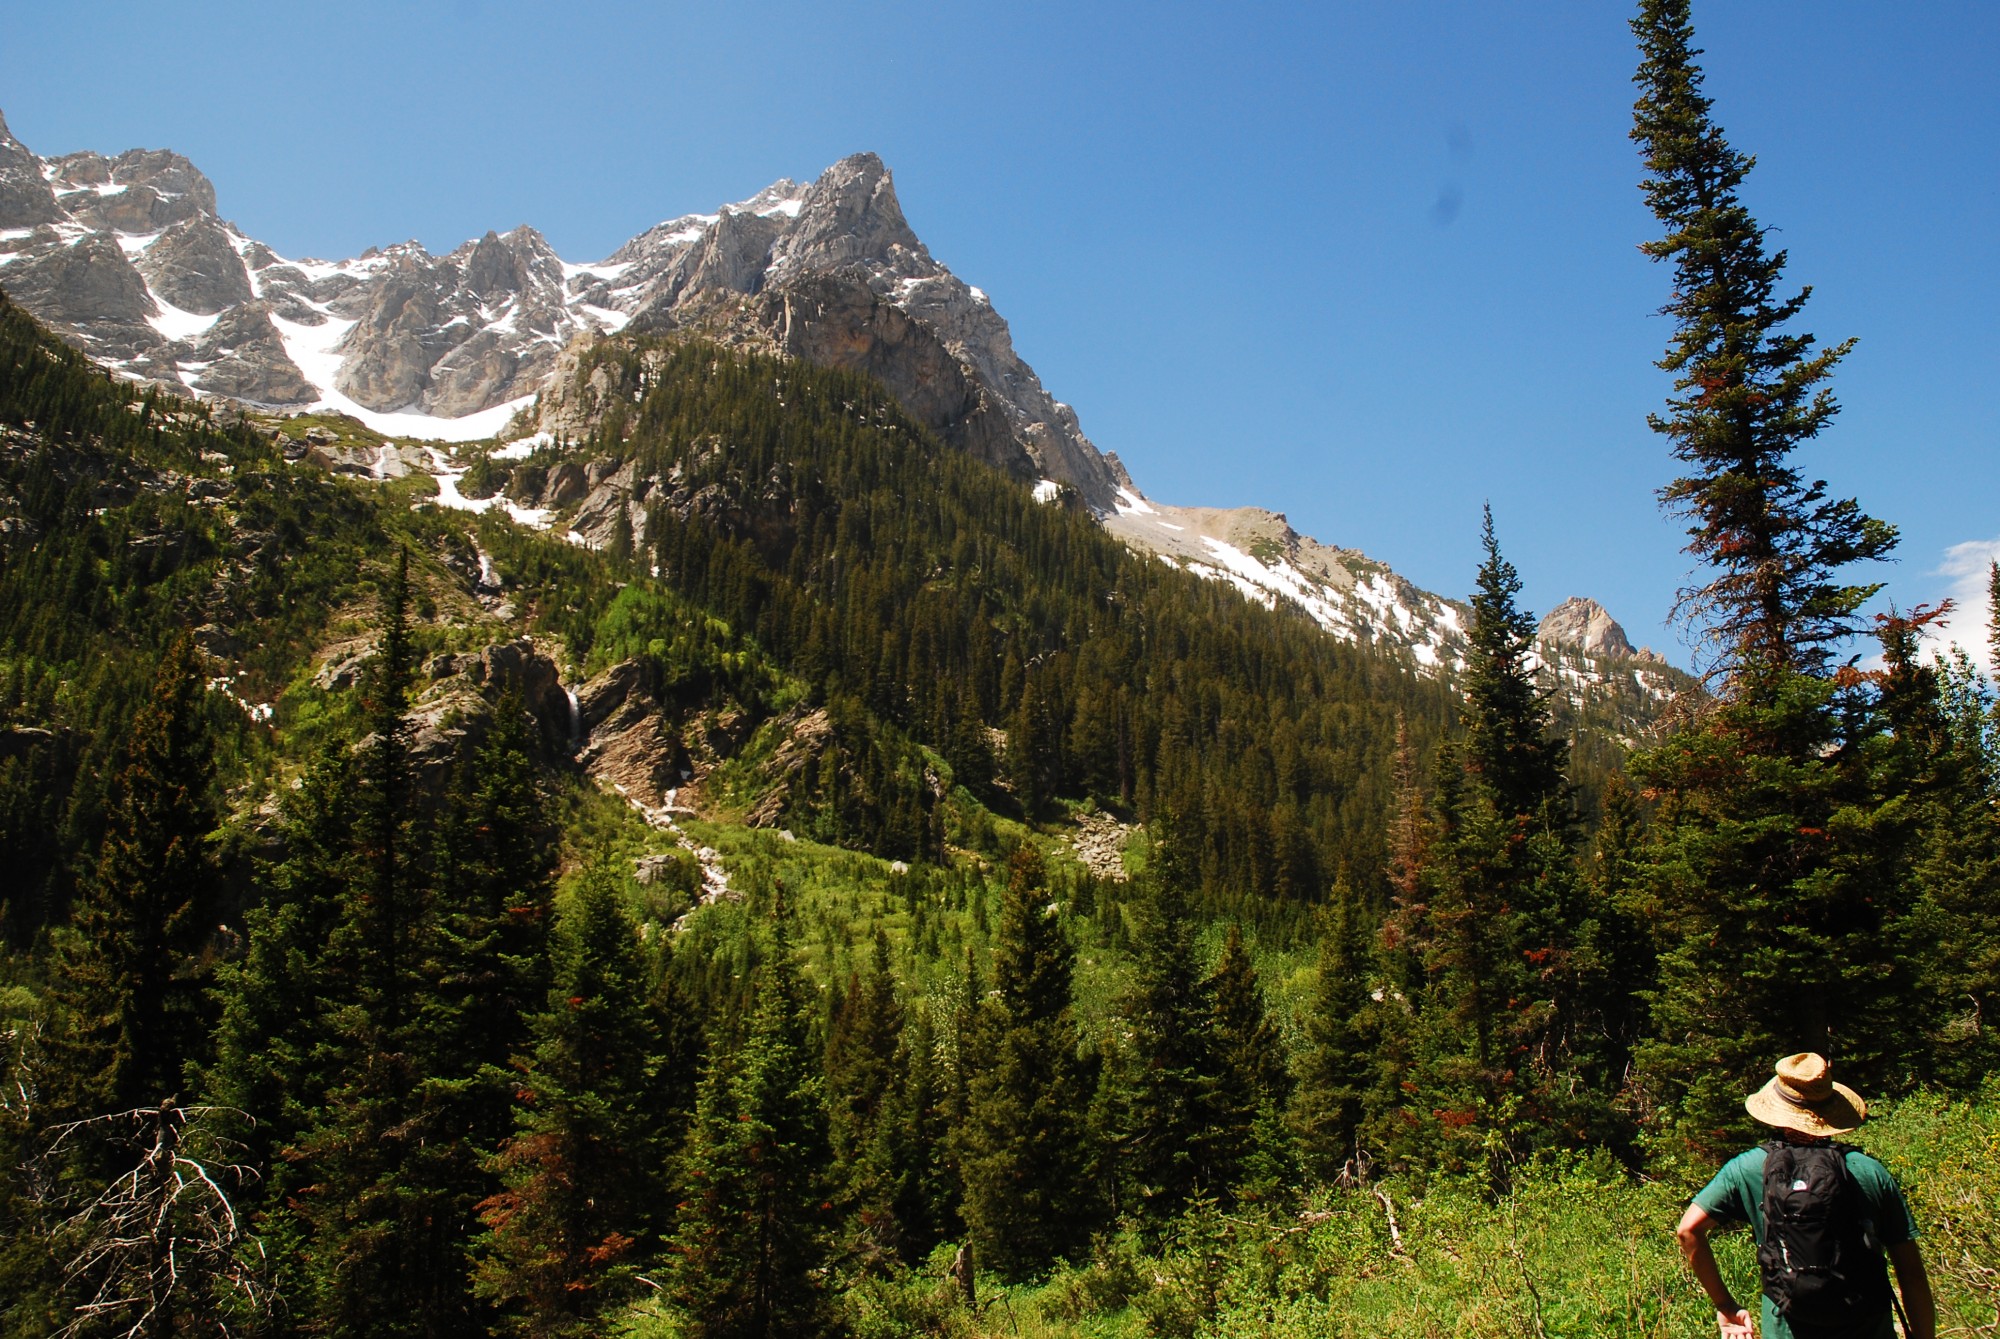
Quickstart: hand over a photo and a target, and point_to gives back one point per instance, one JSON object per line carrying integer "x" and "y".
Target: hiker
{"x": 1822, "y": 1214}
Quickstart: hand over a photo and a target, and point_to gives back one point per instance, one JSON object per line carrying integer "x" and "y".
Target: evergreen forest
{"x": 343, "y": 994}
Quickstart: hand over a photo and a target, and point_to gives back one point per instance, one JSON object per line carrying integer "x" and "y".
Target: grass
{"x": 1578, "y": 1249}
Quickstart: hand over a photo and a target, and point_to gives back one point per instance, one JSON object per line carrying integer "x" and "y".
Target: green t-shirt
{"x": 1736, "y": 1195}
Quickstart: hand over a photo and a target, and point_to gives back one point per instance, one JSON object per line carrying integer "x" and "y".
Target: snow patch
{"x": 601, "y": 270}
{"x": 1131, "y": 504}
{"x": 176, "y": 324}
{"x": 447, "y": 475}
{"x": 612, "y": 321}
{"x": 523, "y": 448}
{"x": 1048, "y": 490}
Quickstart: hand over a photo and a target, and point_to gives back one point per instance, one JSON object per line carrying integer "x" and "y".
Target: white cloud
{"x": 1966, "y": 566}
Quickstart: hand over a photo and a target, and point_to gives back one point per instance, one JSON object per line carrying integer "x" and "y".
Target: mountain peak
{"x": 1588, "y": 625}
{"x": 849, "y": 214}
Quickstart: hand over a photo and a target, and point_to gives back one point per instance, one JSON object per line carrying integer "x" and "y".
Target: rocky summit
{"x": 127, "y": 258}
{"x": 1587, "y": 626}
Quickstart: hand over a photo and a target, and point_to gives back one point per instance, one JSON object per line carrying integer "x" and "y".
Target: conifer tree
{"x": 1932, "y": 768}
{"x": 1251, "y": 1149}
{"x": 912, "y": 1145}
{"x": 1508, "y": 746}
{"x": 385, "y": 935}
{"x": 752, "y": 1245}
{"x": 1034, "y": 747}
{"x": 1773, "y": 893}
{"x": 128, "y": 990}
{"x": 1409, "y": 822}
{"x": 1336, "y": 1063}
{"x": 384, "y": 1203}
{"x": 1748, "y": 393}
{"x": 1624, "y": 948}
{"x": 581, "y": 1176}
{"x": 273, "y": 1044}
{"x": 1171, "y": 1154}
{"x": 862, "y": 1076}
{"x": 1504, "y": 1023}
{"x": 493, "y": 869}
{"x": 1022, "y": 1152}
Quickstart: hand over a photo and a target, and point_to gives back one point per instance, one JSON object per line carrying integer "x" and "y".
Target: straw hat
{"x": 1802, "y": 1096}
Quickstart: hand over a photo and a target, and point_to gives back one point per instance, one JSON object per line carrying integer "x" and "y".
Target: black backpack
{"x": 1822, "y": 1268}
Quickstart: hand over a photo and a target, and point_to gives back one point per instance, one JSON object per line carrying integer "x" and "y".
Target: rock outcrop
{"x": 26, "y": 199}
{"x": 242, "y": 357}
{"x": 835, "y": 275}
{"x": 194, "y": 266}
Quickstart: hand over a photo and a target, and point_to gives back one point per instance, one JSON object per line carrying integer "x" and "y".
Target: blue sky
{"x": 1368, "y": 265}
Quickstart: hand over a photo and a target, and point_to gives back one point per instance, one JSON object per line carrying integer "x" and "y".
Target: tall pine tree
{"x": 1504, "y": 1028}
{"x": 1773, "y": 892}
{"x": 385, "y": 1200}
{"x": 1342, "y": 1043}
{"x": 1248, "y": 1145}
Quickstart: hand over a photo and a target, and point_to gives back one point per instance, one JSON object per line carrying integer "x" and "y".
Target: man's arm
{"x": 1730, "y": 1319}
{"x": 1915, "y": 1282}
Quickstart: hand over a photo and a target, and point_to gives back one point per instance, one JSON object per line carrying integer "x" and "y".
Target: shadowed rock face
{"x": 87, "y": 291}
{"x": 193, "y": 266}
{"x": 25, "y": 197}
{"x": 838, "y": 321}
{"x": 246, "y": 361}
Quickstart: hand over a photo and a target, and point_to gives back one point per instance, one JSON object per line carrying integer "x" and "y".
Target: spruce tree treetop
{"x": 1748, "y": 392}
{"x": 1507, "y": 740}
